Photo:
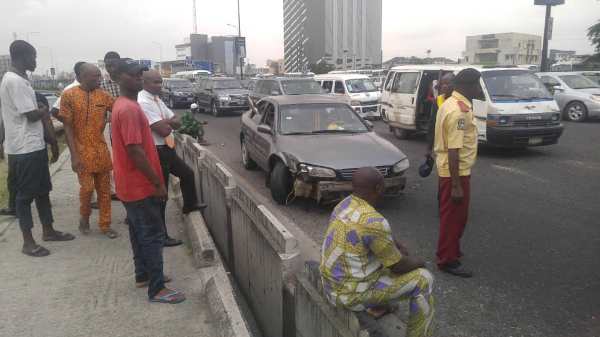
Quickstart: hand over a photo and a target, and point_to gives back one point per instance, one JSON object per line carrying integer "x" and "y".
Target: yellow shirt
{"x": 440, "y": 100}
{"x": 455, "y": 129}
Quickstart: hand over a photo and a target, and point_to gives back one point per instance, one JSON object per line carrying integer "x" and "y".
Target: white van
{"x": 359, "y": 91}
{"x": 516, "y": 111}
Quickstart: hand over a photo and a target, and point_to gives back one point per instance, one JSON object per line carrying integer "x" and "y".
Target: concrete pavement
{"x": 86, "y": 286}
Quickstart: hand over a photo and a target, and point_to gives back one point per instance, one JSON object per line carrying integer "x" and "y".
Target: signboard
{"x": 240, "y": 44}
{"x": 146, "y": 63}
{"x": 52, "y": 71}
{"x": 202, "y": 65}
{"x": 549, "y": 2}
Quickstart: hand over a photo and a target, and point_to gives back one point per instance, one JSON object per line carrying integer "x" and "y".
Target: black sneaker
{"x": 170, "y": 242}
{"x": 456, "y": 269}
{"x": 198, "y": 207}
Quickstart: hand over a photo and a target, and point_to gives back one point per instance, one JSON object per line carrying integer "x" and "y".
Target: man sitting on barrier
{"x": 363, "y": 268}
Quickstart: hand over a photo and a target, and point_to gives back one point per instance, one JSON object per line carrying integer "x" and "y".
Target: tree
{"x": 321, "y": 68}
{"x": 594, "y": 36}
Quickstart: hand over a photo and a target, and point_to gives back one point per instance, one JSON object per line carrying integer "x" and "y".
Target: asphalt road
{"x": 533, "y": 238}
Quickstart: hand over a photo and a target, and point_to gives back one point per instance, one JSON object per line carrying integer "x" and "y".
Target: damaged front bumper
{"x": 331, "y": 190}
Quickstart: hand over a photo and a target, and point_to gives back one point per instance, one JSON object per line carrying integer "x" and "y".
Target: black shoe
{"x": 456, "y": 269}
{"x": 170, "y": 242}
{"x": 8, "y": 212}
{"x": 197, "y": 207}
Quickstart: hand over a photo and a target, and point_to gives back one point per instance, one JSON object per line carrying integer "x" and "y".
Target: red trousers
{"x": 453, "y": 218}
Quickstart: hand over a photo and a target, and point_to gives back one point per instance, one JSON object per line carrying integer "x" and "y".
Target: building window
{"x": 487, "y": 58}
{"x": 487, "y": 44}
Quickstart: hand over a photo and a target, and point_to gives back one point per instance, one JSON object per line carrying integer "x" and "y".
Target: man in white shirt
{"x": 162, "y": 122}
{"x": 24, "y": 123}
{"x": 56, "y": 107}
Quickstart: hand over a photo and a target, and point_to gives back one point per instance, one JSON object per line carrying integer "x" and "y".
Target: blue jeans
{"x": 146, "y": 233}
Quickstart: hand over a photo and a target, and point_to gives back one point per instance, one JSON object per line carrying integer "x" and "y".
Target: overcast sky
{"x": 84, "y": 30}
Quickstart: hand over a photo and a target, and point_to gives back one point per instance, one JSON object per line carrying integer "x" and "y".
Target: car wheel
{"x": 281, "y": 183}
{"x": 213, "y": 109}
{"x": 401, "y": 133}
{"x": 247, "y": 161}
{"x": 576, "y": 112}
{"x": 171, "y": 103}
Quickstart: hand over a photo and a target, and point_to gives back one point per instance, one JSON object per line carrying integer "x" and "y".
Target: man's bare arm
{"x": 38, "y": 114}
{"x": 162, "y": 128}
{"x": 407, "y": 264}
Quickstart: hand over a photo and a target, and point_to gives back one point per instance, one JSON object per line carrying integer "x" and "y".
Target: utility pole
{"x": 544, "y": 65}
{"x": 194, "y": 17}
{"x": 237, "y": 45}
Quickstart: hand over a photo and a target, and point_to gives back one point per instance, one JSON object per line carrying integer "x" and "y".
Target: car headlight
{"x": 355, "y": 103}
{"x": 401, "y": 166}
{"x": 595, "y": 98}
{"x": 224, "y": 98}
{"x": 316, "y": 171}
{"x": 555, "y": 117}
{"x": 179, "y": 93}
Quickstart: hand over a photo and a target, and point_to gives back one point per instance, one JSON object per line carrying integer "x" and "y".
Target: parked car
{"x": 515, "y": 109}
{"x": 311, "y": 145}
{"x": 275, "y": 86}
{"x": 221, "y": 94}
{"x": 50, "y": 96}
{"x": 577, "y": 96}
{"x": 357, "y": 89}
{"x": 177, "y": 92}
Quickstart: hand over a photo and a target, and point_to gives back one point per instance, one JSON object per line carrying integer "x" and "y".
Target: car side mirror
{"x": 369, "y": 125}
{"x": 558, "y": 88}
{"x": 263, "y": 128}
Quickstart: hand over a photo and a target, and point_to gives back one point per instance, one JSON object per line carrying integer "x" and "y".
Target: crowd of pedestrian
{"x": 120, "y": 138}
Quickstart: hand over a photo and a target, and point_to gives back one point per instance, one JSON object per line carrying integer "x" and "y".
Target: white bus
{"x": 192, "y": 75}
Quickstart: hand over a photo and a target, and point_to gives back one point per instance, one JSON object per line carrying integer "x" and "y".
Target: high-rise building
{"x": 219, "y": 51}
{"x": 503, "y": 49}
{"x": 342, "y": 33}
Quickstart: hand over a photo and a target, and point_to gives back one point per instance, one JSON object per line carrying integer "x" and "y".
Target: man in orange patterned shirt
{"x": 84, "y": 110}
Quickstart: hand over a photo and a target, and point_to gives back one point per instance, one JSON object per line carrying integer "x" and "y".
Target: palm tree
{"x": 594, "y": 36}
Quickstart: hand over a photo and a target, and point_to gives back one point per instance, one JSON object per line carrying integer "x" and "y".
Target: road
{"x": 533, "y": 238}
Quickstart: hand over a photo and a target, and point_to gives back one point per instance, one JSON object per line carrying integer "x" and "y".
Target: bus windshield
{"x": 514, "y": 85}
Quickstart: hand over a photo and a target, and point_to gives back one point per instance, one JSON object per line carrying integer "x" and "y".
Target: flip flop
{"x": 111, "y": 234}
{"x": 59, "y": 237}
{"x": 145, "y": 284}
{"x": 38, "y": 251}
{"x": 173, "y": 297}
{"x": 388, "y": 309}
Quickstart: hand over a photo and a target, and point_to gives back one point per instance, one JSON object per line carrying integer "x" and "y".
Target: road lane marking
{"x": 583, "y": 165}
{"x": 518, "y": 172}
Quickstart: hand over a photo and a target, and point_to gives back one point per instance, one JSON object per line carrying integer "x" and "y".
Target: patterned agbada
{"x": 86, "y": 113}
{"x": 357, "y": 253}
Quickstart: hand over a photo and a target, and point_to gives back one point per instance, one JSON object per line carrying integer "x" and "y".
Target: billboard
{"x": 549, "y": 2}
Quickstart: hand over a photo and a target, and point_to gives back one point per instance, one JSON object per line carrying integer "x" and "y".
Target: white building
{"x": 343, "y": 33}
{"x": 503, "y": 49}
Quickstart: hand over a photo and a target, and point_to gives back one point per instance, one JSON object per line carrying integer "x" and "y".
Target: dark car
{"x": 311, "y": 145}
{"x": 221, "y": 94}
{"x": 177, "y": 92}
{"x": 275, "y": 86}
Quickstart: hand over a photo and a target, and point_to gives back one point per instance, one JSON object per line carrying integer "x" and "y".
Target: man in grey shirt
{"x": 24, "y": 124}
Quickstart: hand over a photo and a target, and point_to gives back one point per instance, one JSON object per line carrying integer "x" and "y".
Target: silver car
{"x": 577, "y": 96}
{"x": 311, "y": 145}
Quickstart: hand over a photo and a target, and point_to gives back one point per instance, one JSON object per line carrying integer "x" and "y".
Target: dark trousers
{"x": 30, "y": 181}
{"x": 11, "y": 185}
{"x": 172, "y": 164}
{"x": 453, "y": 219}
{"x": 146, "y": 233}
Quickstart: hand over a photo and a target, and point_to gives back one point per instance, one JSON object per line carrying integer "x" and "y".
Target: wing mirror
{"x": 263, "y": 128}
{"x": 275, "y": 93}
{"x": 558, "y": 88}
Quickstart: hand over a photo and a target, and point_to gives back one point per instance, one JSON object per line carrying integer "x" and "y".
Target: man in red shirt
{"x": 139, "y": 183}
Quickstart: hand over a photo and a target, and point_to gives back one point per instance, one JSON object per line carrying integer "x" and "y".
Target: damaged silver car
{"x": 310, "y": 146}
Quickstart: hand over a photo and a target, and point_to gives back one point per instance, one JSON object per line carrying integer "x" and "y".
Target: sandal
{"x": 111, "y": 234}
{"x": 173, "y": 297}
{"x": 377, "y": 314}
{"x": 58, "y": 237}
{"x": 145, "y": 284}
{"x": 37, "y": 251}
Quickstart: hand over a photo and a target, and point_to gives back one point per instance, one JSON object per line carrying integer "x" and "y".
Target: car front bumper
{"x": 366, "y": 111}
{"x": 336, "y": 189}
{"x": 593, "y": 108}
{"x": 183, "y": 99}
{"x": 224, "y": 105}
{"x": 523, "y": 137}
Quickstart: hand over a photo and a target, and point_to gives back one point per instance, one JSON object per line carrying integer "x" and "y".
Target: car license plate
{"x": 535, "y": 140}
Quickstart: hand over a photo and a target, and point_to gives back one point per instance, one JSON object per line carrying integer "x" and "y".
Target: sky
{"x": 66, "y": 31}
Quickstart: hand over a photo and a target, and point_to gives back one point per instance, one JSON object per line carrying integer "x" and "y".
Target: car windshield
{"x": 514, "y": 85}
{"x": 228, "y": 84}
{"x": 594, "y": 77}
{"x": 183, "y": 84}
{"x": 297, "y": 87}
{"x": 319, "y": 118}
{"x": 578, "y": 82}
{"x": 360, "y": 85}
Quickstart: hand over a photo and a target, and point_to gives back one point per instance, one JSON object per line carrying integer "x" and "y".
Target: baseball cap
{"x": 129, "y": 66}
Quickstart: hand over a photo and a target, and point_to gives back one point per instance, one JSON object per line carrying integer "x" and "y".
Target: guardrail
{"x": 257, "y": 247}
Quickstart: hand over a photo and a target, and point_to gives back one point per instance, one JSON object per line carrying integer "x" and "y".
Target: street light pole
{"x": 544, "y": 65}
{"x": 237, "y": 46}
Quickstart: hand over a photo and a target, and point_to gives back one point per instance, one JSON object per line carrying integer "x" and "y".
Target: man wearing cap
{"x": 139, "y": 183}
{"x": 456, "y": 152}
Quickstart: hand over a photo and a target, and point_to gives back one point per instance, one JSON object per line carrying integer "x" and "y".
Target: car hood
{"x": 232, "y": 91}
{"x": 340, "y": 151}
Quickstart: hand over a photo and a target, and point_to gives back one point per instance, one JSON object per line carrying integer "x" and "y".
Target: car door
{"x": 387, "y": 107}
{"x": 404, "y": 93}
{"x": 264, "y": 141}
{"x": 249, "y": 128}
{"x": 551, "y": 84}
{"x": 164, "y": 92}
